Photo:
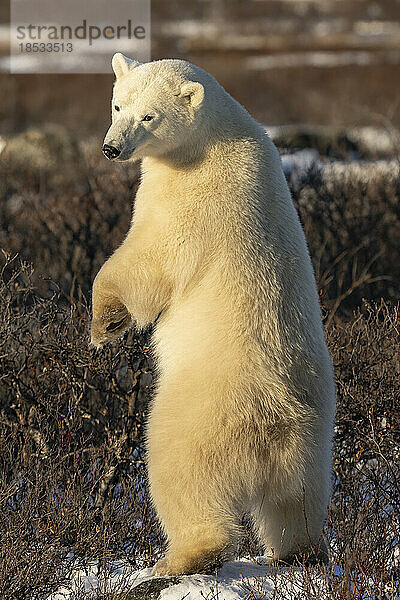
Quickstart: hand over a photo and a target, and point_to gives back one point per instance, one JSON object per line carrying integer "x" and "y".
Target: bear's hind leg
{"x": 199, "y": 537}
{"x": 195, "y": 512}
{"x": 195, "y": 508}
{"x": 287, "y": 530}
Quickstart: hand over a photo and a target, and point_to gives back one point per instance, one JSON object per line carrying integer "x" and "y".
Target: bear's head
{"x": 157, "y": 107}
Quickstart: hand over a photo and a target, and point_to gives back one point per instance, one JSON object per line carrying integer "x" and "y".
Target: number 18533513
{"x": 46, "y": 47}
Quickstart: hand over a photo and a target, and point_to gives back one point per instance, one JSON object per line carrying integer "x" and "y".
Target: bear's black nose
{"x": 110, "y": 152}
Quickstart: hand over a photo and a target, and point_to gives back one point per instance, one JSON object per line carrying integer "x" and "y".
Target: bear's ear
{"x": 122, "y": 64}
{"x": 193, "y": 92}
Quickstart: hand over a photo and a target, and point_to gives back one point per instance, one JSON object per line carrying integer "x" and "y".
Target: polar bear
{"x": 242, "y": 418}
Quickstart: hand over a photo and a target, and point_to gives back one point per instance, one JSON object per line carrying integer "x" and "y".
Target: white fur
{"x": 242, "y": 418}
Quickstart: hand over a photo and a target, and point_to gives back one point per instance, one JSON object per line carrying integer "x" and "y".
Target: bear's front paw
{"x": 109, "y": 323}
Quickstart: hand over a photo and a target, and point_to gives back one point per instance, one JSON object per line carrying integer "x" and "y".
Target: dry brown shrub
{"x": 72, "y": 479}
{"x": 351, "y": 218}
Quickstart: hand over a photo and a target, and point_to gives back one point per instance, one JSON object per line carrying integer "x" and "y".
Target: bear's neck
{"x": 219, "y": 126}
{"x": 187, "y": 155}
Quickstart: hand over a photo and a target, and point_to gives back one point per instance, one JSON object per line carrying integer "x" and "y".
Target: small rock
{"x": 152, "y": 588}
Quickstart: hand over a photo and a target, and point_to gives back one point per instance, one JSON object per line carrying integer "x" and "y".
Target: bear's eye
{"x": 117, "y": 108}
{"x": 148, "y": 118}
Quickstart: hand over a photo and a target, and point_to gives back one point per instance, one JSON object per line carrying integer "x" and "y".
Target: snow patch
{"x": 236, "y": 580}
